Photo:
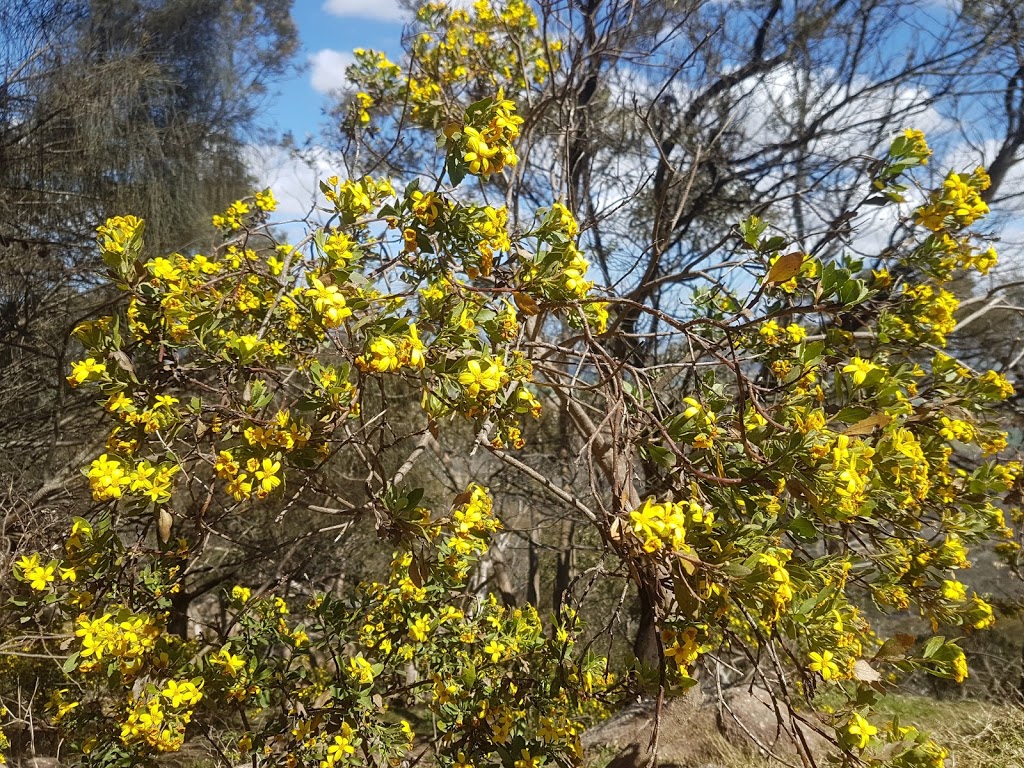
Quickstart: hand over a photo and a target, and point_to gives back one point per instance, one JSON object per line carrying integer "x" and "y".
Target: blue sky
{"x": 329, "y": 30}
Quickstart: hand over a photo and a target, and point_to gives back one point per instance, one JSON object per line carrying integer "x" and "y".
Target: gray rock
{"x": 693, "y": 732}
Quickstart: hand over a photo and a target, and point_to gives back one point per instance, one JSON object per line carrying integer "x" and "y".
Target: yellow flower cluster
{"x": 110, "y": 476}
{"x": 957, "y": 203}
{"x": 233, "y": 218}
{"x": 116, "y": 234}
{"x": 391, "y": 353}
{"x": 492, "y": 226}
{"x": 328, "y": 302}
{"x": 356, "y": 197}
{"x": 487, "y": 139}
{"x": 932, "y": 311}
{"x": 475, "y": 518}
{"x": 774, "y": 335}
{"x": 427, "y": 207}
{"x": 917, "y": 145}
{"x": 150, "y": 722}
{"x": 996, "y": 381}
{"x": 778, "y": 584}
{"x": 123, "y": 635}
{"x": 576, "y": 284}
{"x": 38, "y": 575}
{"x": 681, "y": 647}
{"x": 282, "y": 432}
{"x": 260, "y": 479}
{"x": 700, "y": 424}
{"x": 465, "y": 51}
{"x": 662, "y": 526}
{"x": 851, "y": 469}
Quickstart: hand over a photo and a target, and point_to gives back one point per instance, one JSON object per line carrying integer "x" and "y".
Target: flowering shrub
{"x": 806, "y": 471}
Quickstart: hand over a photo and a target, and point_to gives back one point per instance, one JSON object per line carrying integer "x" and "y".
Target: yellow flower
{"x": 226, "y": 467}
{"x": 267, "y": 477}
{"x": 495, "y": 650}
{"x": 86, "y": 370}
{"x": 859, "y": 370}
{"x": 240, "y": 487}
{"x": 419, "y": 629}
{"x": 824, "y": 664}
{"x": 341, "y": 748}
{"x": 413, "y": 350}
{"x": 229, "y": 663}
{"x": 361, "y": 670}
{"x": 483, "y": 375}
{"x": 861, "y": 731}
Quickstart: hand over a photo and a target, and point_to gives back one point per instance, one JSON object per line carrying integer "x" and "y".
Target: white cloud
{"x": 293, "y": 176}
{"x": 383, "y": 10}
{"x": 328, "y": 70}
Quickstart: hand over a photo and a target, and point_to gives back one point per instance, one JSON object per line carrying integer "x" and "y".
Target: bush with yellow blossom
{"x": 806, "y": 471}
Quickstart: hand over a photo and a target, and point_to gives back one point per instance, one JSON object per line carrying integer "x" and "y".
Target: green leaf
{"x": 661, "y": 456}
{"x": 933, "y": 645}
{"x": 71, "y": 663}
{"x": 736, "y": 570}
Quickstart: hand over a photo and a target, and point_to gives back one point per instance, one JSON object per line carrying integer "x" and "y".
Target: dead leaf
{"x": 865, "y": 672}
{"x": 615, "y": 530}
{"x": 526, "y": 303}
{"x": 163, "y": 525}
{"x": 123, "y": 361}
{"x": 785, "y": 268}
{"x": 896, "y": 646}
{"x": 868, "y": 425}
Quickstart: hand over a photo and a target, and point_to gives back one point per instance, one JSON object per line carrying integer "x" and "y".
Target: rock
{"x": 748, "y": 715}
{"x": 683, "y": 735}
{"x": 38, "y": 762}
{"x": 695, "y": 733}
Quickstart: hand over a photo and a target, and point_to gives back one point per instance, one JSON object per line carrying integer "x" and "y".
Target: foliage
{"x": 779, "y": 473}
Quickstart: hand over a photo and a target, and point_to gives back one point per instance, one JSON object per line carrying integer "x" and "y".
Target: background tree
{"x": 108, "y": 106}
